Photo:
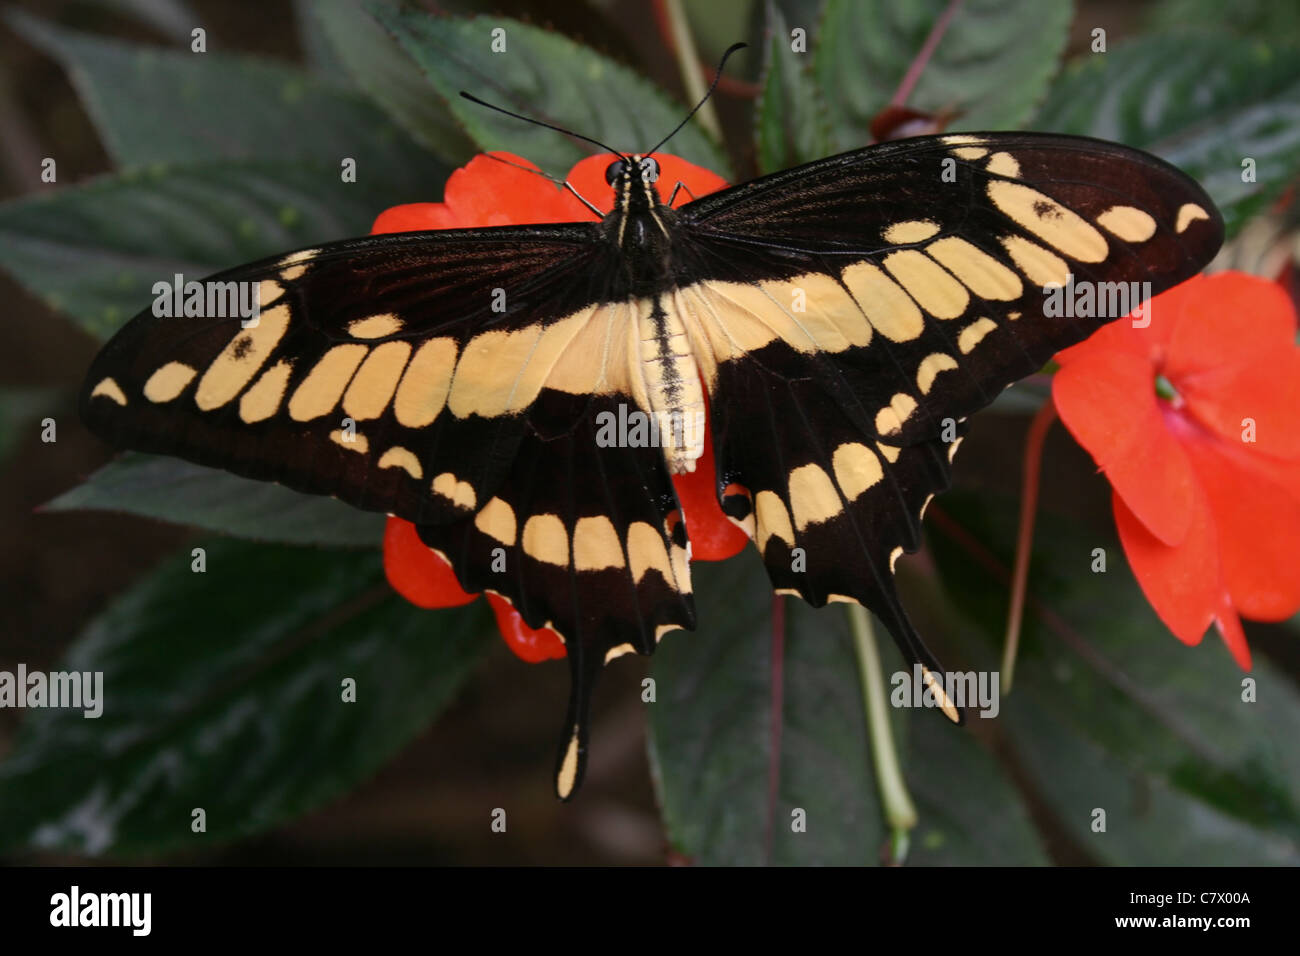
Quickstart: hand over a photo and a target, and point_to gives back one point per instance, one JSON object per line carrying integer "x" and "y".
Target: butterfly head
{"x": 634, "y": 178}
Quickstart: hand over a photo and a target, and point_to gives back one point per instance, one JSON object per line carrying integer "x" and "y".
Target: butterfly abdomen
{"x": 672, "y": 385}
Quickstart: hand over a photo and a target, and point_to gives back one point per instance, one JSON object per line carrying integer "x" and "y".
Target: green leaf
{"x": 969, "y": 814}
{"x": 95, "y": 250}
{"x": 189, "y": 494}
{"x": 157, "y": 105}
{"x": 224, "y": 691}
{"x": 1159, "y": 96}
{"x": 711, "y": 741}
{"x": 790, "y": 118}
{"x": 992, "y": 65}
{"x": 1265, "y": 20}
{"x": 548, "y": 77}
{"x": 379, "y": 65}
{"x": 1111, "y": 712}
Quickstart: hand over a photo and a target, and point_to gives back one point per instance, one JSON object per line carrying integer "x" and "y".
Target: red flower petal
{"x": 713, "y": 536}
{"x": 1183, "y": 583}
{"x": 1257, "y": 519}
{"x": 1108, "y": 403}
{"x": 533, "y": 645}
{"x": 1232, "y": 358}
{"x": 416, "y": 572}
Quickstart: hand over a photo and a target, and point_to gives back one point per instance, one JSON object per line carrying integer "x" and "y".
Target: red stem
{"x": 923, "y": 57}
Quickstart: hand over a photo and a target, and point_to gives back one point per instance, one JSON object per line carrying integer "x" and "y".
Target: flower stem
{"x": 922, "y": 58}
{"x": 688, "y": 62}
{"x": 1025, "y": 537}
{"x": 900, "y": 813}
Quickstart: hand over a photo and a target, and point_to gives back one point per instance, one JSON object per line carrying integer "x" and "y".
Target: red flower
{"x": 1193, "y": 421}
{"x": 487, "y": 192}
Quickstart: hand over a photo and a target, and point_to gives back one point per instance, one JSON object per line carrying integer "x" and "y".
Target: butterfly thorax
{"x": 666, "y": 377}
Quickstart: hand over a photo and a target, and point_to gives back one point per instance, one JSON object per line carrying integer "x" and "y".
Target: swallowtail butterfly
{"x": 835, "y": 319}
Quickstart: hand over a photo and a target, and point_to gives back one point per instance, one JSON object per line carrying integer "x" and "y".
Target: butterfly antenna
{"x": 712, "y": 86}
{"x": 537, "y": 122}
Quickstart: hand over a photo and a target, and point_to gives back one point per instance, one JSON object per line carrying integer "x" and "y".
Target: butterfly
{"x": 837, "y": 322}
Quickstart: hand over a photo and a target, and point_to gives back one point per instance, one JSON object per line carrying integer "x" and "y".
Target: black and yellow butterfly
{"x": 835, "y": 319}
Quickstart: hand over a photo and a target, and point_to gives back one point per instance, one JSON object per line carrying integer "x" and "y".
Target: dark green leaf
{"x": 1265, "y": 20}
{"x": 96, "y": 250}
{"x": 1159, "y": 96}
{"x": 156, "y": 105}
{"x": 548, "y": 77}
{"x": 711, "y": 740}
{"x": 992, "y": 65}
{"x": 223, "y": 691}
{"x": 790, "y": 118}
{"x": 189, "y": 494}
{"x": 1111, "y": 712}
{"x": 969, "y": 813}
{"x": 379, "y": 65}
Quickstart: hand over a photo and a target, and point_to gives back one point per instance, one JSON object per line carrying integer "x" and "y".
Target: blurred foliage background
{"x": 222, "y": 687}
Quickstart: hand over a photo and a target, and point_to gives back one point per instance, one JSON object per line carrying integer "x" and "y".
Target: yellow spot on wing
{"x": 970, "y": 152}
{"x": 404, "y": 458}
{"x": 945, "y": 702}
{"x": 376, "y": 380}
{"x": 938, "y": 293}
{"x": 596, "y": 545}
{"x": 960, "y": 139}
{"x": 930, "y": 367}
{"x": 1049, "y": 220}
{"x": 893, "y": 558}
{"x": 772, "y": 519}
{"x": 568, "y": 775}
{"x": 1127, "y": 222}
{"x": 813, "y": 499}
{"x": 830, "y": 320}
{"x": 168, "y": 382}
{"x": 501, "y": 372}
{"x": 983, "y": 275}
{"x": 646, "y": 550}
{"x": 240, "y": 360}
{"x": 891, "y": 452}
{"x": 496, "y": 519}
{"x": 546, "y": 539}
{"x": 320, "y": 391}
{"x": 261, "y": 401}
{"x": 1003, "y": 164}
{"x": 889, "y": 419}
{"x": 618, "y": 651}
{"x": 973, "y": 334}
{"x": 374, "y": 327}
{"x": 1039, "y": 266}
{"x": 423, "y": 389}
{"x": 856, "y": 469}
{"x": 459, "y": 493}
{"x": 1188, "y": 213}
{"x": 357, "y": 442}
{"x": 887, "y": 307}
{"x": 917, "y": 230}
{"x": 109, "y": 389}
